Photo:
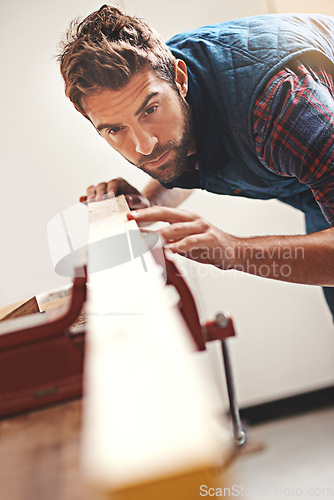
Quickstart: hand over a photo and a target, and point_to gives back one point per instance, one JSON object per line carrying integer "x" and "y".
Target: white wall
{"x": 49, "y": 154}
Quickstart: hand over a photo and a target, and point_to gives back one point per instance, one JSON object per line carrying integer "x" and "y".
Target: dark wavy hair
{"x": 105, "y": 49}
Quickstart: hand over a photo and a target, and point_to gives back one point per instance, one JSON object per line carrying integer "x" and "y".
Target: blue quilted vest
{"x": 228, "y": 65}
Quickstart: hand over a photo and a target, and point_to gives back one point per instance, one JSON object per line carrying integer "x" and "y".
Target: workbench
{"x": 39, "y": 455}
{"x": 147, "y": 437}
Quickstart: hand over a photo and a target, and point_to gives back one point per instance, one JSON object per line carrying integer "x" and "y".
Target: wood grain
{"x": 40, "y": 454}
{"x": 145, "y": 403}
{"x": 21, "y": 309}
{"x": 156, "y": 429}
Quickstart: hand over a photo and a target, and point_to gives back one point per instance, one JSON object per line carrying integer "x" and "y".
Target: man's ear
{"x": 181, "y": 76}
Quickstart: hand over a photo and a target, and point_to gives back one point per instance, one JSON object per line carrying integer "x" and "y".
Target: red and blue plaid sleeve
{"x": 293, "y": 124}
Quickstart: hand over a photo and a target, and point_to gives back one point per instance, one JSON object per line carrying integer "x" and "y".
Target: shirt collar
{"x": 211, "y": 153}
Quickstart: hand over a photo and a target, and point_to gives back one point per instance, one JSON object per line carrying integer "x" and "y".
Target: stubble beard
{"x": 172, "y": 169}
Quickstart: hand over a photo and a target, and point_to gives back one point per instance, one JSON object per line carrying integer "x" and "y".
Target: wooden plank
{"x": 40, "y": 450}
{"x": 21, "y": 309}
{"x": 149, "y": 415}
{"x": 135, "y": 367}
{"x": 40, "y": 454}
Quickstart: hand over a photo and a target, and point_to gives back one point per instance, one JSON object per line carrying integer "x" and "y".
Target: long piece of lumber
{"x": 150, "y": 431}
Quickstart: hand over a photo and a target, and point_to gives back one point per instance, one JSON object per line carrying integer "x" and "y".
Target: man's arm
{"x": 307, "y": 259}
{"x": 158, "y": 195}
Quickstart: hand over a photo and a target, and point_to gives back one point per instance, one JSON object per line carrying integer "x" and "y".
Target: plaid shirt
{"x": 293, "y": 124}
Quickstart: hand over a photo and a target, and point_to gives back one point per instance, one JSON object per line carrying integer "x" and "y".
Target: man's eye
{"x": 114, "y": 130}
{"x": 150, "y": 110}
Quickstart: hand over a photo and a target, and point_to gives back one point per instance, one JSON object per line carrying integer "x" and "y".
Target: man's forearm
{"x": 307, "y": 259}
{"x": 158, "y": 195}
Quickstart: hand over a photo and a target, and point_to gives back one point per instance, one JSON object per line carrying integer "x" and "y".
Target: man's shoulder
{"x": 253, "y": 26}
{"x": 209, "y": 32}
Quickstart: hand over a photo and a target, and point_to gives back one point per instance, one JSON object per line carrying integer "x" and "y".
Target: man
{"x": 242, "y": 108}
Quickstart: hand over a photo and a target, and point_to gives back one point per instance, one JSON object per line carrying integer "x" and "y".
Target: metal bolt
{"x": 240, "y": 438}
{"x": 221, "y": 320}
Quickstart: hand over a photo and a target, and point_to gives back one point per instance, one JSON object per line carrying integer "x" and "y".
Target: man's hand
{"x": 191, "y": 236}
{"x": 116, "y": 187}
{"x": 301, "y": 258}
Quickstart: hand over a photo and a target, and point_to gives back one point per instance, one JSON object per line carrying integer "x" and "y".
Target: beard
{"x": 177, "y": 162}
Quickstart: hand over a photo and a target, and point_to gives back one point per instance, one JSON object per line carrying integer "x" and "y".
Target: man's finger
{"x": 180, "y": 230}
{"x": 91, "y": 192}
{"x": 120, "y": 186}
{"x": 192, "y": 246}
{"x": 163, "y": 214}
{"x": 112, "y": 188}
{"x": 101, "y": 190}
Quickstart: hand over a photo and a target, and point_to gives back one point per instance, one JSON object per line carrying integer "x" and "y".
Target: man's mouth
{"x": 159, "y": 161}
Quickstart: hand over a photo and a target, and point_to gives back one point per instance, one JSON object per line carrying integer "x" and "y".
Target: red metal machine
{"x": 41, "y": 358}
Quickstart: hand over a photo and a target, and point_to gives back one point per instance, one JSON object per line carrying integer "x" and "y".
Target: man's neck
{"x": 192, "y": 146}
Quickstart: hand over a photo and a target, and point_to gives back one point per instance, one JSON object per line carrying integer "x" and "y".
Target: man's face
{"x": 148, "y": 122}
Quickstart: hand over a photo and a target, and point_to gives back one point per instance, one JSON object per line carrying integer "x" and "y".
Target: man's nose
{"x": 144, "y": 142}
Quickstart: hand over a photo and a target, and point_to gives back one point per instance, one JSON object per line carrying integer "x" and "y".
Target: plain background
{"x": 50, "y": 154}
